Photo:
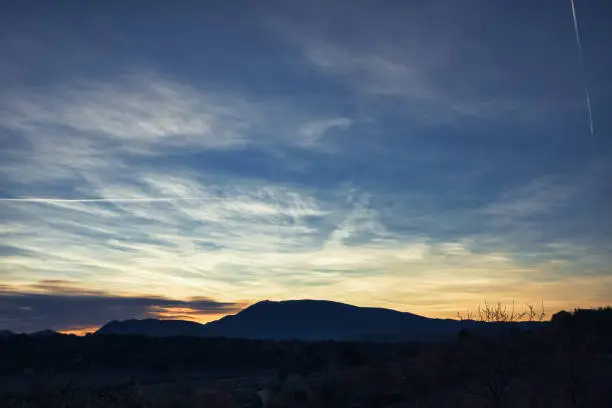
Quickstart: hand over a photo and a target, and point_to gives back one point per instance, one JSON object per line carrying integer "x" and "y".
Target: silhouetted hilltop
{"x": 154, "y": 328}
{"x": 324, "y": 320}
{"x": 300, "y": 320}
{"x": 6, "y": 333}
{"x": 44, "y": 333}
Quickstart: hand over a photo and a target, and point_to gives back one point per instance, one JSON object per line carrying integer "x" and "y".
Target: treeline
{"x": 566, "y": 362}
{"x": 69, "y": 353}
{"x": 584, "y": 324}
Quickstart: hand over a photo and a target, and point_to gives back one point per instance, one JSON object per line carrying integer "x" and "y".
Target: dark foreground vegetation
{"x": 565, "y": 363}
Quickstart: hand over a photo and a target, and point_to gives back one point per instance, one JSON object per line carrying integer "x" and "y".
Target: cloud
{"x": 437, "y": 63}
{"x": 134, "y": 112}
{"x": 552, "y": 217}
{"x": 408, "y": 76}
{"x": 80, "y": 129}
{"x": 254, "y": 238}
{"x": 312, "y": 133}
{"x": 103, "y": 200}
{"x": 268, "y": 241}
{"x": 143, "y": 111}
{"x": 381, "y": 74}
{"x": 544, "y": 194}
{"x": 66, "y": 305}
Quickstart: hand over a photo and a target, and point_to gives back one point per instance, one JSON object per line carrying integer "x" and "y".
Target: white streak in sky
{"x": 108, "y": 200}
{"x": 586, "y": 88}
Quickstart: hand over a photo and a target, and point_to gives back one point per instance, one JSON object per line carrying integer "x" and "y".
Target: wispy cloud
{"x": 79, "y": 129}
{"x": 408, "y": 76}
{"x": 103, "y": 200}
{"x": 137, "y": 110}
{"x": 437, "y": 62}
{"x": 545, "y": 194}
{"x": 310, "y": 134}
{"x": 260, "y": 241}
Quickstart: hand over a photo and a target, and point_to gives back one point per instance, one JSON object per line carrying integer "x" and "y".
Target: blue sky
{"x": 419, "y": 155}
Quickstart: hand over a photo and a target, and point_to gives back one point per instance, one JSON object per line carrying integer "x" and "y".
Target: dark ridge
{"x": 300, "y": 320}
{"x": 309, "y": 320}
{"x": 153, "y": 328}
{"x": 44, "y": 333}
{"x": 6, "y": 333}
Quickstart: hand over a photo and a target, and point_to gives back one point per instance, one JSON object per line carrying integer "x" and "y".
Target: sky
{"x": 186, "y": 159}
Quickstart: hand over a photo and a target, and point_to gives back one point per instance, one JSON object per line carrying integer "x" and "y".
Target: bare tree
{"x": 503, "y": 313}
{"x": 490, "y": 364}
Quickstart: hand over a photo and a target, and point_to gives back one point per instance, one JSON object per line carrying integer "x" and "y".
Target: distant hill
{"x": 44, "y": 333}
{"x": 300, "y": 320}
{"x": 6, "y": 333}
{"x": 326, "y": 320}
{"x": 154, "y": 328}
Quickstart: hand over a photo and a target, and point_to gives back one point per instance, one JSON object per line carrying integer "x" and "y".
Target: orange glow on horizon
{"x": 172, "y": 313}
{"x": 79, "y": 331}
{"x": 189, "y": 314}
{"x": 441, "y": 309}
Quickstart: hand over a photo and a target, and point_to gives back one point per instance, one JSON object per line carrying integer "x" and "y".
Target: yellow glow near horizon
{"x": 433, "y": 281}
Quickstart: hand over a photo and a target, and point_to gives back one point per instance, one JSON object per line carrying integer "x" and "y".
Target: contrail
{"x": 587, "y": 94}
{"x": 108, "y": 200}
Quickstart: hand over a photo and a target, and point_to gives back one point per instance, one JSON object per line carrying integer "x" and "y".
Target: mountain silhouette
{"x": 300, "y": 320}
{"x": 44, "y": 333}
{"x": 154, "y": 328}
{"x": 6, "y": 333}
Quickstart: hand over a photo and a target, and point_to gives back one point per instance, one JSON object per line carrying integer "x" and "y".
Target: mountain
{"x": 44, "y": 333}
{"x": 299, "y": 320}
{"x": 6, "y": 333}
{"x": 326, "y": 320}
{"x": 154, "y": 328}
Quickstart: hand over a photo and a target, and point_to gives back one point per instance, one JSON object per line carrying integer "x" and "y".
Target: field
{"x": 567, "y": 363}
